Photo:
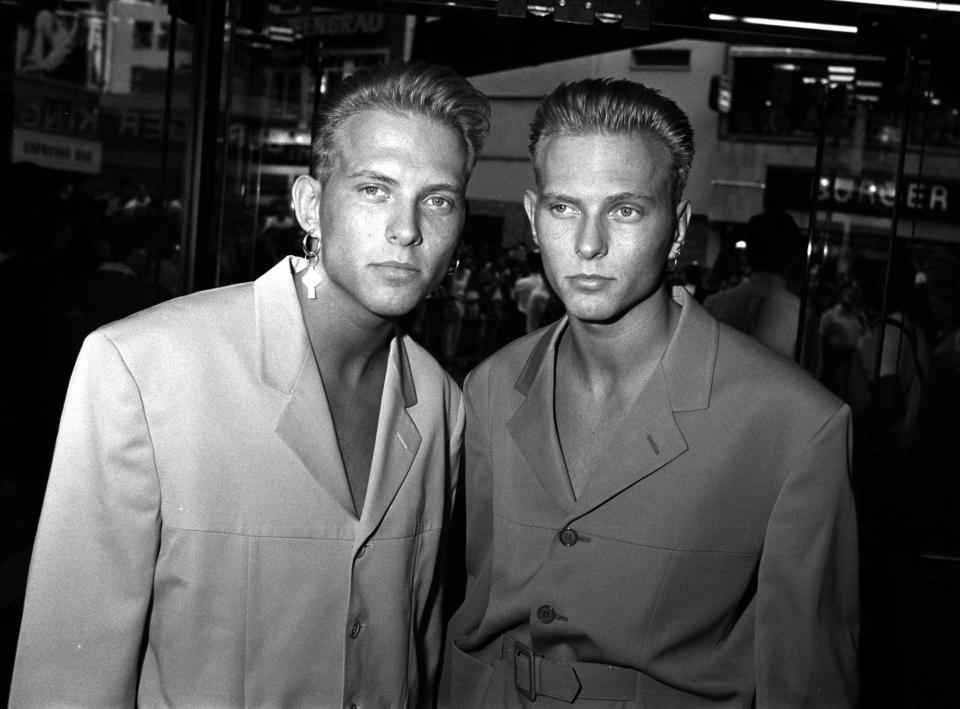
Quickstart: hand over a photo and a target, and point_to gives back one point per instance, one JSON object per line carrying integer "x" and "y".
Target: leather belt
{"x": 535, "y": 675}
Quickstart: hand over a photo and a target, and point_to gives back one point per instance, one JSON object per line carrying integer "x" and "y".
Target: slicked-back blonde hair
{"x": 615, "y": 107}
{"x": 419, "y": 88}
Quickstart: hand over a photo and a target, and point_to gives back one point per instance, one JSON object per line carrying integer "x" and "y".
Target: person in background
{"x": 885, "y": 415}
{"x": 529, "y": 281}
{"x": 250, "y": 484}
{"x": 763, "y": 306}
{"x": 841, "y": 327}
{"x": 658, "y": 508}
{"x": 455, "y": 307}
{"x": 886, "y": 410}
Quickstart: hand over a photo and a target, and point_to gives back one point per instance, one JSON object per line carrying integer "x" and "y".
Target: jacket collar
{"x": 305, "y": 424}
{"x": 282, "y": 340}
{"x": 688, "y": 362}
{"x": 649, "y": 435}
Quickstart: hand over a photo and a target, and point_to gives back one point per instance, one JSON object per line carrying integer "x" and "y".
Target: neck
{"x": 347, "y": 341}
{"x": 626, "y": 351}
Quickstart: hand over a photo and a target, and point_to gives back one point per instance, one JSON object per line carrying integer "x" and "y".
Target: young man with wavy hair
{"x": 250, "y": 484}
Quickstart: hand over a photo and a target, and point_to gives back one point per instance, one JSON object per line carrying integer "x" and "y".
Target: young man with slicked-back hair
{"x": 250, "y": 485}
{"x": 658, "y": 508}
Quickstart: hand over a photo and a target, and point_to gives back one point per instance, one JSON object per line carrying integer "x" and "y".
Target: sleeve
{"x": 431, "y": 632}
{"x": 96, "y": 545}
{"x": 462, "y": 674}
{"x": 807, "y": 618}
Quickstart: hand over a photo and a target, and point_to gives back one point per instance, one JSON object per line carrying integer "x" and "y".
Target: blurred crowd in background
{"x": 72, "y": 261}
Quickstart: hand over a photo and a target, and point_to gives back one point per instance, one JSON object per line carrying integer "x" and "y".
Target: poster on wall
{"x": 56, "y": 125}
{"x": 61, "y": 40}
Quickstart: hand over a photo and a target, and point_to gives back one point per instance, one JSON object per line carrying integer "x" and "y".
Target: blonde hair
{"x": 615, "y": 106}
{"x": 424, "y": 89}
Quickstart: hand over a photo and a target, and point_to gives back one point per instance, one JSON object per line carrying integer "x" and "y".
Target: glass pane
{"x": 93, "y": 225}
{"x": 274, "y": 75}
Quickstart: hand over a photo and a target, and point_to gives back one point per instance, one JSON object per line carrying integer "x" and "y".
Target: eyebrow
{"x": 380, "y": 177}
{"x": 631, "y": 195}
{"x": 559, "y": 196}
{"x": 444, "y": 187}
{"x": 373, "y": 175}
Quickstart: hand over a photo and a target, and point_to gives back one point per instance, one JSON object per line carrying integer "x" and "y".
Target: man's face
{"x": 604, "y": 220}
{"x": 391, "y": 210}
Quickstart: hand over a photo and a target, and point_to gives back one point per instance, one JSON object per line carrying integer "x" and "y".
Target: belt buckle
{"x": 522, "y": 652}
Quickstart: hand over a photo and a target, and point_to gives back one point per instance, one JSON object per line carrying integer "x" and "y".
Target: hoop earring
{"x": 311, "y": 279}
{"x": 309, "y": 253}
{"x": 672, "y": 261}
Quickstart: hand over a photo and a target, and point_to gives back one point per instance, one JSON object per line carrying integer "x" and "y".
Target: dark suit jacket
{"x": 717, "y": 545}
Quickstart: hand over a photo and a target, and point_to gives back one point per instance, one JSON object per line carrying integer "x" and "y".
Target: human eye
{"x": 627, "y": 212}
{"x": 439, "y": 203}
{"x": 373, "y": 192}
{"x": 562, "y": 209}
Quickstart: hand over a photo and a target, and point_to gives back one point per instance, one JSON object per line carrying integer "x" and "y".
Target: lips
{"x": 589, "y": 282}
{"x": 396, "y": 270}
{"x": 400, "y": 265}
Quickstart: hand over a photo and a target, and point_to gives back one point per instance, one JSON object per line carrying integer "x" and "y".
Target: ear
{"x": 306, "y": 201}
{"x": 683, "y": 221}
{"x": 530, "y": 207}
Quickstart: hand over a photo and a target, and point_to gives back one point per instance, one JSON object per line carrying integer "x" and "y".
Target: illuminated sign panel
{"x": 927, "y": 198}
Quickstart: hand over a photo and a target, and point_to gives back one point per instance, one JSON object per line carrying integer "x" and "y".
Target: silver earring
{"x": 311, "y": 279}
{"x": 454, "y": 265}
{"x": 672, "y": 260}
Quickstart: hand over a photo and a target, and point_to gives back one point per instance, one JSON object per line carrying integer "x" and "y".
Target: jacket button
{"x": 355, "y": 630}
{"x": 569, "y": 537}
{"x": 546, "y": 615}
{"x": 361, "y": 551}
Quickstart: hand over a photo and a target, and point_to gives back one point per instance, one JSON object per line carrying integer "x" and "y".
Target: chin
{"x": 594, "y": 317}
{"x": 393, "y": 308}
{"x": 592, "y": 312}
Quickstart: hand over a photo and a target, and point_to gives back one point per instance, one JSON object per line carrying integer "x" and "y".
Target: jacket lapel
{"x": 649, "y": 437}
{"x": 286, "y": 364}
{"x": 532, "y": 424}
{"x": 398, "y": 441}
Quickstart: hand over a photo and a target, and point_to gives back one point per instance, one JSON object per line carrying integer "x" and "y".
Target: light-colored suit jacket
{"x": 198, "y": 505}
{"x": 716, "y": 543}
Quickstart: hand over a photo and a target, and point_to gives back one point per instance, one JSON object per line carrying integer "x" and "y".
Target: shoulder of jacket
{"x": 196, "y": 317}
{"x": 770, "y": 375}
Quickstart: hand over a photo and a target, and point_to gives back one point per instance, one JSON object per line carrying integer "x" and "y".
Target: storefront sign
{"x": 929, "y": 199}
{"x": 58, "y": 152}
{"x": 349, "y": 28}
{"x": 55, "y": 109}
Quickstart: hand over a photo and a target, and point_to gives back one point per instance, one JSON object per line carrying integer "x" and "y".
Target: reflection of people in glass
{"x": 251, "y": 484}
{"x": 44, "y": 40}
{"x": 658, "y": 507}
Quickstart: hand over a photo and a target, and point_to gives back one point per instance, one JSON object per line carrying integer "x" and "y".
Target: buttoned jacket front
{"x": 713, "y": 548}
{"x": 198, "y": 503}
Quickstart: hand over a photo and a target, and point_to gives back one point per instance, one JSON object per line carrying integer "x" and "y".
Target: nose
{"x": 591, "y": 239}
{"x": 404, "y": 226}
